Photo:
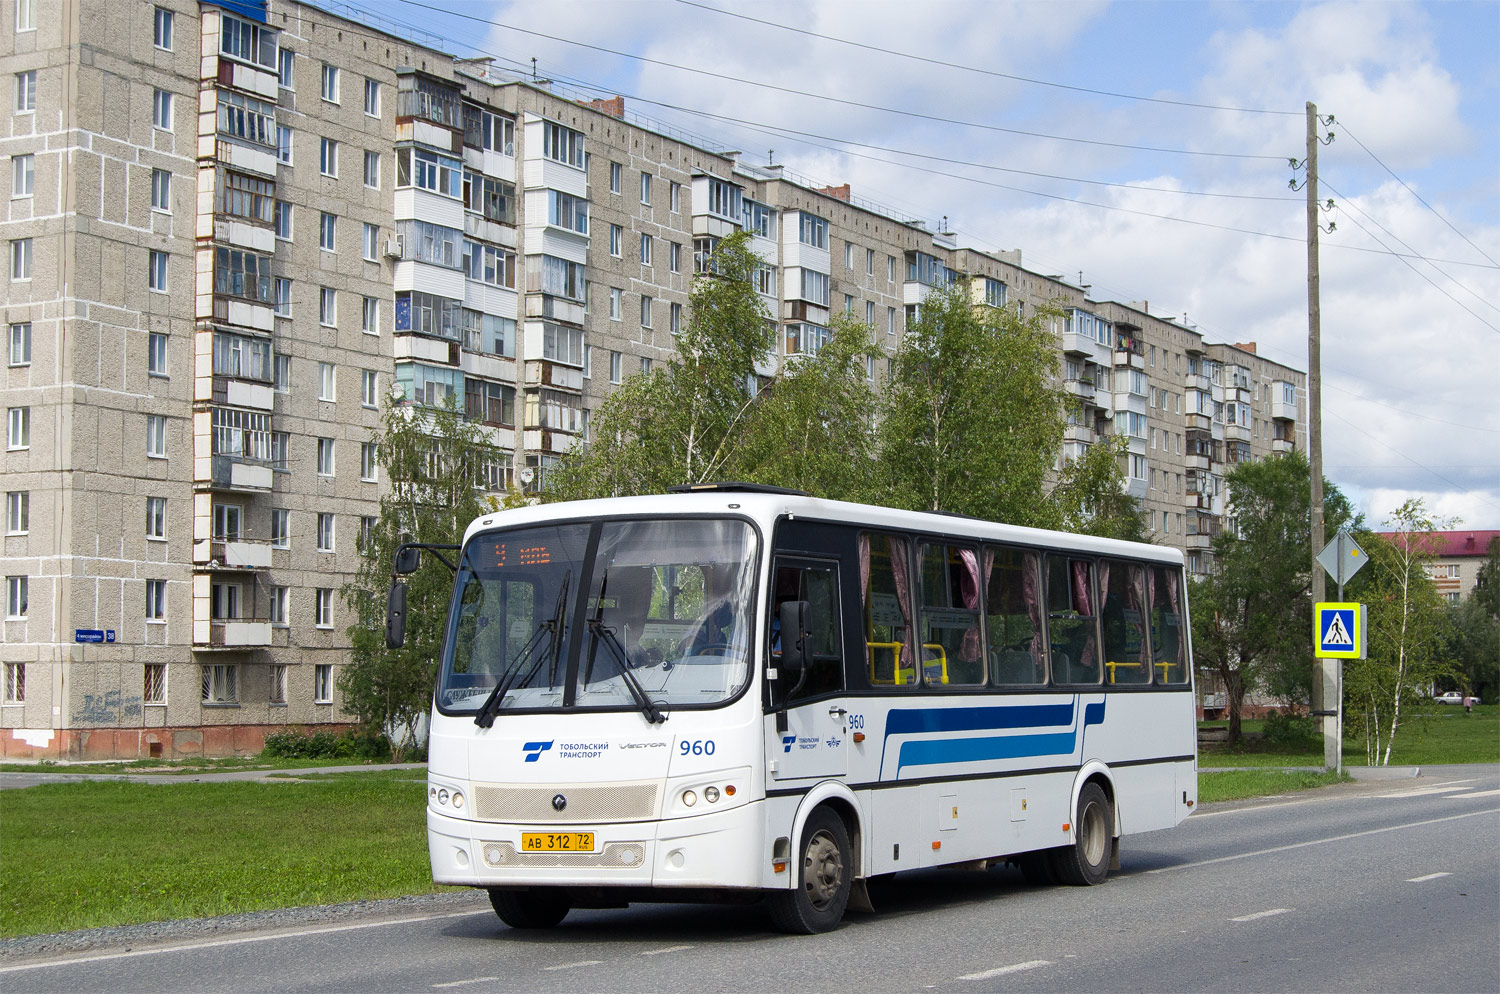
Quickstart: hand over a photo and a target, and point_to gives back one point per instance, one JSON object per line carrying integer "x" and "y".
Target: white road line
{"x": 1319, "y": 842}
{"x": 1001, "y": 970}
{"x": 240, "y": 941}
{"x": 1261, "y": 914}
{"x": 1477, "y": 793}
{"x": 571, "y": 966}
{"x": 1430, "y": 876}
{"x": 1446, "y": 788}
{"x": 463, "y": 983}
{"x": 668, "y": 949}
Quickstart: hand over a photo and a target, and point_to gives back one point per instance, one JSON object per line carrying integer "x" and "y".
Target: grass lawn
{"x": 1435, "y": 734}
{"x": 80, "y": 855}
{"x": 1236, "y": 785}
{"x": 185, "y": 766}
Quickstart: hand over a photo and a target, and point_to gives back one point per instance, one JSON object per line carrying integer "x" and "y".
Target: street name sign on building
{"x": 96, "y": 635}
{"x": 1339, "y": 630}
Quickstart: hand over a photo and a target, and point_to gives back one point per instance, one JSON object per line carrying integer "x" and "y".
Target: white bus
{"x": 740, "y": 693}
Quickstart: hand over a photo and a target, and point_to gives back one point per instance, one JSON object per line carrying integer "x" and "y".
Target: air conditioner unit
{"x": 395, "y": 247}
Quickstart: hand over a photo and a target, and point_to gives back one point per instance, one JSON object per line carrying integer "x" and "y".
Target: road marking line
{"x": 570, "y": 966}
{"x": 668, "y": 949}
{"x": 1430, "y": 876}
{"x": 1261, "y": 914}
{"x": 1001, "y": 970}
{"x": 461, "y": 983}
{"x": 1319, "y": 842}
{"x": 1446, "y": 788}
{"x": 240, "y": 941}
{"x": 1477, "y": 793}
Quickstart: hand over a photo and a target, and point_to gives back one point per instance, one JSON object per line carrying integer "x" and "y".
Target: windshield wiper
{"x": 604, "y": 633}
{"x": 485, "y": 717}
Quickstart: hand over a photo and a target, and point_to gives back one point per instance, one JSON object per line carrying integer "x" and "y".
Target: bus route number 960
{"x": 695, "y": 747}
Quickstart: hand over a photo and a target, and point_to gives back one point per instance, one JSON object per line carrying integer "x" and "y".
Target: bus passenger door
{"x": 814, "y": 741}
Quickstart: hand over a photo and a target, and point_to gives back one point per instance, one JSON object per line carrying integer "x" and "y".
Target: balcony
{"x": 1126, "y": 358}
{"x": 1282, "y": 411}
{"x": 1198, "y": 461}
{"x": 1082, "y": 389}
{"x": 1283, "y": 445}
{"x": 236, "y": 633}
{"x": 1197, "y": 381}
{"x": 1079, "y": 433}
{"x": 240, "y": 473}
{"x": 1084, "y": 345}
{"x": 232, "y": 553}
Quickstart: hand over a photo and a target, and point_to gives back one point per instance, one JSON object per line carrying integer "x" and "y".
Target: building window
{"x": 325, "y": 533}
{"x": 325, "y": 457}
{"x": 674, "y": 257}
{"x": 284, "y": 68}
{"x": 328, "y": 306}
{"x": 156, "y": 436}
{"x": 278, "y": 683}
{"x": 26, "y": 16}
{"x": 323, "y": 683}
{"x": 429, "y": 171}
{"x": 156, "y": 600}
{"x": 154, "y": 684}
{"x": 247, "y": 40}
{"x": 614, "y": 367}
{"x": 156, "y": 354}
{"x": 26, "y": 92}
{"x": 284, "y": 144}
{"x": 614, "y": 167}
{"x": 161, "y": 110}
{"x": 368, "y": 395}
{"x": 645, "y": 311}
{"x": 562, "y": 144}
{"x": 328, "y": 158}
{"x": 161, "y": 190}
{"x": 645, "y": 249}
{"x": 281, "y": 220}
{"x": 372, "y": 242}
{"x": 156, "y": 518}
{"x": 280, "y": 603}
{"x": 327, "y": 224}
{"x": 330, "y": 83}
{"x": 17, "y": 512}
{"x": 367, "y": 462}
{"x": 219, "y": 681}
{"x": 890, "y": 320}
{"x": 20, "y": 260}
{"x": 20, "y": 343}
{"x": 372, "y": 170}
{"x": 813, "y": 231}
{"x": 15, "y": 683}
{"x": 22, "y": 176}
{"x": 869, "y": 262}
{"x": 17, "y": 597}
{"x": 616, "y": 237}
{"x": 372, "y": 98}
{"x": 323, "y": 607}
{"x": 369, "y": 316}
{"x": 281, "y": 376}
{"x": 646, "y": 188}
{"x": 281, "y": 303}
{"x": 18, "y": 428}
{"x": 645, "y": 364}
{"x": 281, "y": 528}
{"x": 156, "y": 277}
{"x": 674, "y": 198}
{"x": 675, "y": 320}
{"x": 890, "y": 269}
{"x": 161, "y": 35}
{"x": 327, "y": 386}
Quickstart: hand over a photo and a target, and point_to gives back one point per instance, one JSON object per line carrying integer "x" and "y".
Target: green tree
{"x": 1473, "y": 641}
{"x": 971, "y": 421}
{"x": 1406, "y": 621}
{"x": 431, "y": 459}
{"x": 1252, "y": 616}
{"x": 1090, "y": 495}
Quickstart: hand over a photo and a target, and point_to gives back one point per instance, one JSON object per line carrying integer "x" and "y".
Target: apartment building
{"x": 237, "y": 230}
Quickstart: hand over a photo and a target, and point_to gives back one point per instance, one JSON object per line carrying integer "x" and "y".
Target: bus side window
{"x": 1168, "y": 658}
{"x": 1071, "y": 622}
{"x": 885, "y": 588}
{"x": 950, "y": 649}
{"x": 1123, "y": 615}
{"x": 819, "y": 586}
{"x": 1013, "y": 610}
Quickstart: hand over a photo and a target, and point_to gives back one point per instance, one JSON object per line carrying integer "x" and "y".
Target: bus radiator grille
{"x": 586, "y": 803}
{"x": 620, "y": 855}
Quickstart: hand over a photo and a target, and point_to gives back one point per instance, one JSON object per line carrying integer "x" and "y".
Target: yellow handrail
{"x": 942, "y": 659}
{"x": 1111, "y": 666}
{"x": 896, "y": 671}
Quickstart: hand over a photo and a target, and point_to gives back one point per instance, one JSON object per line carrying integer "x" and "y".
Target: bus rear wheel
{"x": 537, "y": 908}
{"x": 820, "y": 892}
{"x": 1086, "y": 861}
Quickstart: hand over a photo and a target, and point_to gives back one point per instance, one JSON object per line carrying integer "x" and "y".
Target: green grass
{"x": 1239, "y": 784}
{"x": 185, "y": 766}
{"x": 86, "y": 854}
{"x": 1435, "y": 734}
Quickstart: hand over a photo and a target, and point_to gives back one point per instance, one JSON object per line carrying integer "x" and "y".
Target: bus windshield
{"x": 656, "y": 617}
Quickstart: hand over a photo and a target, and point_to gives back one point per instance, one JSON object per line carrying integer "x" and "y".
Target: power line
{"x": 987, "y": 72}
{"x": 1457, "y": 486}
{"x": 842, "y": 100}
{"x": 1412, "y": 414}
{"x": 1345, "y": 129}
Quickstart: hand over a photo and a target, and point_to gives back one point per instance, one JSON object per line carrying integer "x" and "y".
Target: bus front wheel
{"x": 539, "y": 908}
{"x": 1086, "y": 861}
{"x": 820, "y": 892}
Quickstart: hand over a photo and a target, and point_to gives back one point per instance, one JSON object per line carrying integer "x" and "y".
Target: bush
{"x": 1286, "y": 730}
{"x": 355, "y": 743}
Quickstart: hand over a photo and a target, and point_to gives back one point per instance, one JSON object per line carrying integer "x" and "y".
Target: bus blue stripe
{"x": 939, "y": 751}
{"x": 908, "y": 720}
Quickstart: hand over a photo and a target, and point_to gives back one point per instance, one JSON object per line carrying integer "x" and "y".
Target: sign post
{"x": 1341, "y": 558}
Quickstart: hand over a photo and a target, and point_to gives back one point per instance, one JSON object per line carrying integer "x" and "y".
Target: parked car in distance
{"x": 1451, "y": 697}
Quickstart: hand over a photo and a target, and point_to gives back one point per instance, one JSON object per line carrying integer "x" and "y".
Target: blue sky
{"x": 1410, "y": 363}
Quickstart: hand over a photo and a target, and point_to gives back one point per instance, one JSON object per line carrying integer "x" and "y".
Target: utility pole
{"x": 1325, "y": 680}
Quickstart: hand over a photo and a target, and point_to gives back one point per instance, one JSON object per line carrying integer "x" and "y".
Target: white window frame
{"x": 616, "y": 304}
{"x": 328, "y": 306}
{"x": 156, "y": 602}
{"x": 326, "y": 452}
{"x": 281, "y": 304}
{"x": 20, "y": 344}
{"x": 645, "y": 188}
{"x": 281, "y": 539}
{"x": 329, "y": 84}
{"x": 674, "y": 197}
{"x": 280, "y": 608}
{"x": 286, "y": 76}
{"x": 154, "y": 684}
{"x": 156, "y": 273}
{"x": 25, "y": 15}
{"x": 161, "y": 110}
{"x": 156, "y": 519}
{"x": 372, "y": 169}
{"x": 156, "y": 436}
{"x": 646, "y": 308}
{"x": 17, "y": 597}
{"x": 328, "y": 157}
{"x": 284, "y": 144}
{"x": 326, "y": 533}
{"x": 371, "y": 242}
{"x": 161, "y": 27}
{"x": 646, "y": 249}
{"x": 220, "y": 685}
{"x": 25, "y": 101}
{"x": 20, "y": 260}
{"x": 156, "y": 354}
{"x": 22, "y": 176}
{"x": 18, "y": 512}
{"x": 18, "y": 428}
{"x": 369, "y": 463}
{"x": 328, "y": 382}
{"x": 328, "y": 231}
{"x": 323, "y": 607}
{"x": 369, "y": 316}
{"x": 281, "y": 220}
{"x": 614, "y": 177}
{"x": 616, "y": 360}
{"x": 322, "y": 683}
{"x": 372, "y": 97}
{"x": 369, "y": 388}
{"x": 161, "y": 191}
{"x": 616, "y": 239}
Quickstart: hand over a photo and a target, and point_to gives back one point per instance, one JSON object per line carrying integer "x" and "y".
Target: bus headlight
{"x": 710, "y": 794}
{"x": 443, "y": 796}
{"x": 458, "y": 800}
{"x": 689, "y": 798}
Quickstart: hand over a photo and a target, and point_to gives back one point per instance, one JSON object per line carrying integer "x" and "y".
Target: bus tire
{"x": 825, "y": 874}
{"x": 541, "y": 907}
{"x": 1086, "y": 862}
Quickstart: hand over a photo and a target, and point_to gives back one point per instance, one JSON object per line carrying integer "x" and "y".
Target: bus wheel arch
{"x": 825, "y": 860}
{"x": 1088, "y": 859}
{"x": 1097, "y": 773}
{"x": 841, "y": 800}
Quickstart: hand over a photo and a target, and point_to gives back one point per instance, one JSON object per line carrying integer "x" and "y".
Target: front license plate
{"x": 557, "y": 841}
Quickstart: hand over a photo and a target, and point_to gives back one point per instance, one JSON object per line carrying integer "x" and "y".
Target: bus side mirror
{"x": 395, "y": 615}
{"x": 793, "y": 618}
{"x": 408, "y": 558}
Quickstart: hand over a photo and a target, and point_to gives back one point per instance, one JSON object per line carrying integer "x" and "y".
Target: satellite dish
{"x": 526, "y": 475}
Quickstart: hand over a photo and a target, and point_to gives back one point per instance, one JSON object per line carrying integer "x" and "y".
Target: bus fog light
{"x": 443, "y": 797}
{"x": 458, "y": 799}
{"x": 432, "y": 793}
{"x": 461, "y": 857}
{"x": 710, "y": 794}
{"x": 689, "y": 798}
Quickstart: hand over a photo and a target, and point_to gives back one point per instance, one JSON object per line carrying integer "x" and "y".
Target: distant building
{"x": 1459, "y": 554}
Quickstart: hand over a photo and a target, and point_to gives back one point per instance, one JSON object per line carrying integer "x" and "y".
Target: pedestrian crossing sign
{"x": 1339, "y": 631}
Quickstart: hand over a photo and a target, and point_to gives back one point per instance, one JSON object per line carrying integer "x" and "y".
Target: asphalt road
{"x": 1376, "y": 886}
